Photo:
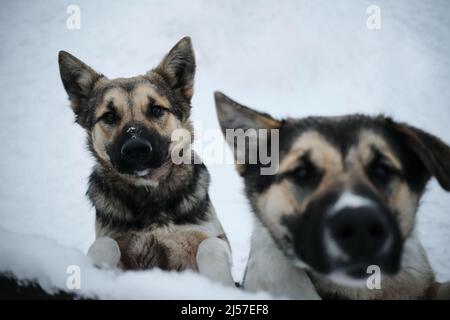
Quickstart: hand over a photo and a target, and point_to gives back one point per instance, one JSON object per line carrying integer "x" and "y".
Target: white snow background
{"x": 288, "y": 58}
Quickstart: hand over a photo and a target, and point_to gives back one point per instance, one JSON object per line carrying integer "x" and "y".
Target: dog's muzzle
{"x": 346, "y": 237}
{"x": 138, "y": 150}
{"x": 360, "y": 237}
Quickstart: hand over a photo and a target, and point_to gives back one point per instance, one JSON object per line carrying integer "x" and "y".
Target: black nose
{"x": 360, "y": 232}
{"x": 136, "y": 150}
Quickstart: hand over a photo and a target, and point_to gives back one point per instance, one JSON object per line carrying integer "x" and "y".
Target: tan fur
{"x": 340, "y": 176}
{"x": 119, "y": 97}
{"x": 283, "y": 199}
{"x": 405, "y": 201}
{"x": 168, "y": 249}
{"x": 103, "y": 134}
{"x": 366, "y": 140}
{"x": 278, "y": 202}
{"x": 141, "y": 93}
{"x": 323, "y": 154}
{"x": 409, "y": 282}
{"x": 100, "y": 136}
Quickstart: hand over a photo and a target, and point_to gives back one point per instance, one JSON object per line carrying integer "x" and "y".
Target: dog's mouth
{"x": 143, "y": 173}
{"x": 353, "y": 272}
{"x": 139, "y": 153}
{"x": 357, "y": 271}
{"x": 355, "y": 275}
{"x": 347, "y": 243}
{"x": 150, "y": 173}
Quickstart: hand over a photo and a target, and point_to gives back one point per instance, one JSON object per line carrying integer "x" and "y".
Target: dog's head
{"x": 346, "y": 190}
{"x": 129, "y": 121}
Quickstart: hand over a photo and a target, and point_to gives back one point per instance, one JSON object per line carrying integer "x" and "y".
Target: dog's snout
{"x": 360, "y": 232}
{"x": 136, "y": 149}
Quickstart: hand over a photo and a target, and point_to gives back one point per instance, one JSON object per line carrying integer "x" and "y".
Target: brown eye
{"x": 110, "y": 118}
{"x": 156, "y": 111}
{"x": 381, "y": 173}
{"x": 306, "y": 175}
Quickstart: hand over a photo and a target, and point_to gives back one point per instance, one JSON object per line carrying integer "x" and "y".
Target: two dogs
{"x": 344, "y": 197}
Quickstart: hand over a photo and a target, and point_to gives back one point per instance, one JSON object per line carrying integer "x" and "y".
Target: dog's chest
{"x": 172, "y": 247}
{"x": 174, "y": 250}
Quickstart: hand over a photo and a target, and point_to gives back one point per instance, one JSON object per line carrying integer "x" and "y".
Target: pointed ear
{"x": 433, "y": 152}
{"x": 248, "y": 132}
{"x": 233, "y": 115}
{"x": 78, "y": 79}
{"x": 178, "y": 68}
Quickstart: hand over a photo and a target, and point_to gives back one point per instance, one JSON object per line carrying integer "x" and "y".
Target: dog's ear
{"x": 432, "y": 152}
{"x": 78, "y": 80}
{"x": 178, "y": 68}
{"x": 234, "y": 117}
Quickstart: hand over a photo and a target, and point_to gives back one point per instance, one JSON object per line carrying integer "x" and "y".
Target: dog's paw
{"x": 104, "y": 253}
{"x": 214, "y": 261}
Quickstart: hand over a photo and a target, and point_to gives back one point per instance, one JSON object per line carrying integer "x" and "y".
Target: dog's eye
{"x": 156, "y": 111}
{"x": 381, "y": 173}
{"x": 110, "y": 118}
{"x": 306, "y": 175}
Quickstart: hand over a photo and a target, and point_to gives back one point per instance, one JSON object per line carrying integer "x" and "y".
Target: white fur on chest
{"x": 269, "y": 270}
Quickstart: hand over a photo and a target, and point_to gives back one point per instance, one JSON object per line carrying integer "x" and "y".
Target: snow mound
{"x": 52, "y": 266}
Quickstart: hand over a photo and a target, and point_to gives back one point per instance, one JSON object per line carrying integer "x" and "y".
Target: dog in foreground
{"x": 344, "y": 198}
{"x": 150, "y": 212}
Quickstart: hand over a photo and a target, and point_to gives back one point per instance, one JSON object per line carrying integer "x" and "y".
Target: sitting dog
{"x": 150, "y": 212}
{"x": 341, "y": 205}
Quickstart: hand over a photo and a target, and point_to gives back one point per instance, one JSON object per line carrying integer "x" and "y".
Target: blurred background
{"x": 288, "y": 58}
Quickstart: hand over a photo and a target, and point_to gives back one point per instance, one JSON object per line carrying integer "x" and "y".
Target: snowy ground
{"x": 290, "y": 58}
{"x": 59, "y": 268}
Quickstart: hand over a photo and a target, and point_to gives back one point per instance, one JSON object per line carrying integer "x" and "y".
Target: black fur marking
{"x": 154, "y": 159}
{"x": 87, "y": 106}
{"x": 147, "y": 209}
{"x": 343, "y": 134}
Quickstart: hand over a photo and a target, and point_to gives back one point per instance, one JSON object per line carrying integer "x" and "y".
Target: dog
{"x": 150, "y": 212}
{"x": 343, "y": 200}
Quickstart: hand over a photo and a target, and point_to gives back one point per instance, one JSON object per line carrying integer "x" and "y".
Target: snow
{"x": 291, "y": 58}
{"x": 54, "y": 266}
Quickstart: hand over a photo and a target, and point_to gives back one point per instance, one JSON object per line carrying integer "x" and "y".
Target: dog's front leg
{"x": 104, "y": 253}
{"x": 214, "y": 261}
